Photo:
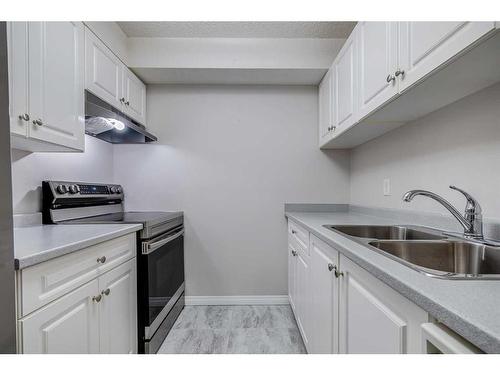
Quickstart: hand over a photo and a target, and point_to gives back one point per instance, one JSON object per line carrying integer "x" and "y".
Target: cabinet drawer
{"x": 45, "y": 282}
{"x": 299, "y": 235}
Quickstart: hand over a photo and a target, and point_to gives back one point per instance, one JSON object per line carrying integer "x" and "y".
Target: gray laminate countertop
{"x": 39, "y": 243}
{"x": 469, "y": 307}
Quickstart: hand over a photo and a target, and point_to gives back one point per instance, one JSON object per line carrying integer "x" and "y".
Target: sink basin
{"x": 447, "y": 259}
{"x": 386, "y": 232}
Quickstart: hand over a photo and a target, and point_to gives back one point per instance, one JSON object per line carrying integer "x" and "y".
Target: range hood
{"x": 105, "y": 122}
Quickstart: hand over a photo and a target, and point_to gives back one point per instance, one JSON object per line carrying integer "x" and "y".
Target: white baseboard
{"x": 236, "y": 300}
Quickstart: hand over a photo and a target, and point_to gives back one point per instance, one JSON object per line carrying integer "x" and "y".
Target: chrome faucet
{"x": 472, "y": 220}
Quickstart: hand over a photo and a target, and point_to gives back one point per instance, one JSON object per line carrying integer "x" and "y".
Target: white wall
{"x": 459, "y": 145}
{"x": 29, "y": 169}
{"x": 230, "y": 157}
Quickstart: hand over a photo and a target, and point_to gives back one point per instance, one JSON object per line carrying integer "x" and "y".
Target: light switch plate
{"x": 387, "y": 186}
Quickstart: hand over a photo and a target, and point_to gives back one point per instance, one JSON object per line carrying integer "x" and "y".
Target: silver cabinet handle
{"x": 24, "y": 117}
{"x": 38, "y": 122}
{"x": 390, "y": 78}
{"x": 337, "y": 273}
{"x": 127, "y": 103}
{"x": 294, "y": 253}
{"x": 294, "y": 232}
{"x": 331, "y": 267}
{"x": 101, "y": 259}
{"x": 399, "y": 72}
{"x": 106, "y": 292}
{"x": 334, "y": 128}
{"x": 122, "y": 100}
{"x": 97, "y": 298}
{"x": 329, "y": 128}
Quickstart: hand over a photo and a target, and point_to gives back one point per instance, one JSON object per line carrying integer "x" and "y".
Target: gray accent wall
{"x": 7, "y": 288}
{"x": 456, "y": 145}
{"x": 230, "y": 157}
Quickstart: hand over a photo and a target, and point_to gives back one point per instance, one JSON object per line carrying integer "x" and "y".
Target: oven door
{"x": 162, "y": 278}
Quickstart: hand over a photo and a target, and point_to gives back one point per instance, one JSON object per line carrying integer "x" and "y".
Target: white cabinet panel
{"x": 118, "y": 310}
{"x": 134, "y": 93}
{"x": 374, "y": 318}
{"x": 103, "y": 71}
{"x": 56, "y": 77}
{"x": 17, "y": 35}
{"x": 292, "y": 265}
{"x": 325, "y": 104}
{"x": 68, "y": 325}
{"x": 324, "y": 291}
{"x": 344, "y": 83}
{"x": 377, "y": 64}
{"x": 424, "y": 46}
{"x": 303, "y": 297}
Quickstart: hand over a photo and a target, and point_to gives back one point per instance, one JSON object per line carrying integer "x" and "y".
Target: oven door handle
{"x": 150, "y": 247}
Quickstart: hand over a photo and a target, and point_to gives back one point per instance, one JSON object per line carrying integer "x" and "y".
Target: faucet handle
{"x": 473, "y": 205}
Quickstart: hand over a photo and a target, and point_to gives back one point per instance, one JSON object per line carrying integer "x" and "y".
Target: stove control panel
{"x": 67, "y": 189}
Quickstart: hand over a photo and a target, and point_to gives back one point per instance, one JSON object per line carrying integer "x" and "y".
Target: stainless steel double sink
{"x": 428, "y": 251}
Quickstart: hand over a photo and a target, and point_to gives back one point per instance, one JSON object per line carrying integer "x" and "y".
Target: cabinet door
{"x": 345, "y": 88}
{"x": 103, "y": 71}
{"x": 292, "y": 262}
{"x": 424, "y": 46}
{"x": 17, "y": 39}
{"x": 374, "y": 318}
{"x": 377, "y": 64}
{"x": 56, "y": 78}
{"x": 118, "y": 310}
{"x": 325, "y": 104}
{"x": 303, "y": 297}
{"x": 324, "y": 290}
{"x": 67, "y": 325}
{"x": 134, "y": 92}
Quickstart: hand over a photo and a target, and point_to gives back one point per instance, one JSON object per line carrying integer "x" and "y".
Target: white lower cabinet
{"x": 95, "y": 316}
{"x": 118, "y": 310}
{"x": 68, "y": 325}
{"x": 342, "y": 308}
{"x": 373, "y": 317}
{"x": 324, "y": 307}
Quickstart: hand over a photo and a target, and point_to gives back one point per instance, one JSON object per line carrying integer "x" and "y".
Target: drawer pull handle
{"x": 101, "y": 259}
{"x": 294, "y": 232}
{"x": 294, "y": 253}
{"x": 337, "y": 273}
{"x": 38, "y": 122}
{"x": 331, "y": 267}
{"x": 97, "y": 298}
{"x": 106, "y": 292}
{"x": 399, "y": 72}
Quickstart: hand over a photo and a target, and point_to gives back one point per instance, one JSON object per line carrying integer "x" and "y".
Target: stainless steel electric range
{"x": 160, "y": 249}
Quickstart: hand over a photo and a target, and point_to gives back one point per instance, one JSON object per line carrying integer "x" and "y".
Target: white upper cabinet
{"x": 424, "y": 46}
{"x": 344, "y": 70}
{"x": 385, "y": 71}
{"x": 103, "y": 71}
{"x": 134, "y": 94}
{"x": 46, "y": 81}
{"x": 18, "y": 77}
{"x": 325, "y": 101}
{"x": 109, "y": 79}
{"x": 377, "y": 64}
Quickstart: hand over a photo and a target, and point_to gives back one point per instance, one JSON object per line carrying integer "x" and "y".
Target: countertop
{"x": 469, "y": 307}
{"x": 39, "y": 243}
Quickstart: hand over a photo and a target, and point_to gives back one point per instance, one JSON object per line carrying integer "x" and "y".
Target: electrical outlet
{"x": 387, "y": 186}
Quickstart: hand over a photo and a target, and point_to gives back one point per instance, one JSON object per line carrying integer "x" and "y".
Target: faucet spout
{"x": 471, "y": 221}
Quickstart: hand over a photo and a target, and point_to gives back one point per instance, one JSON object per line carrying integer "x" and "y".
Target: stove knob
{"x": 73, "y": 189}
{"x": 62, "y": 189}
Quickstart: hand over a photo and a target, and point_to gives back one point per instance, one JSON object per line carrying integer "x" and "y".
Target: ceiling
{"x": 237, "y": 29}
